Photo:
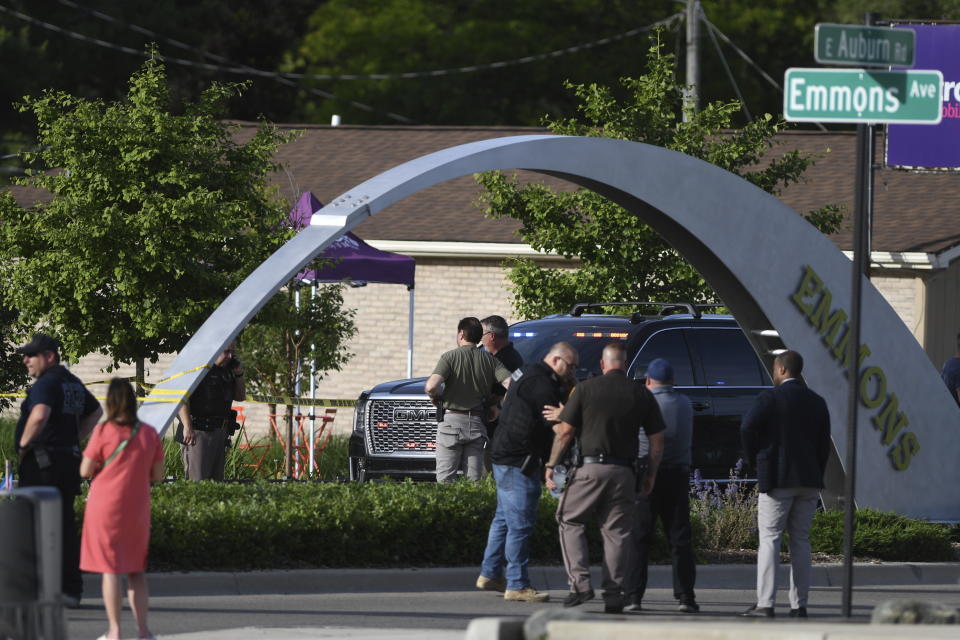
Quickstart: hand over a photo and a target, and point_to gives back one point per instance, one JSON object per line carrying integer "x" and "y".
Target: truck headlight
{"x": 360, "y": 413}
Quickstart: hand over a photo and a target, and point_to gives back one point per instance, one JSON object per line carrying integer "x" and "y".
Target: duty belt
{"x": 468, "y": 412}
{"x": 207, "y": 423}
{"x": 605, "y": 459}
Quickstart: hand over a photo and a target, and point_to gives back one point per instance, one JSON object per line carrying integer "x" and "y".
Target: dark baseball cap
{"x": 660, "y": 370}
{"x": 41, "y": 342}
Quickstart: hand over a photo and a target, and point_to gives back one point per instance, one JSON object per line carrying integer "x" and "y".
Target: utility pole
{"x": 693, "y": 55}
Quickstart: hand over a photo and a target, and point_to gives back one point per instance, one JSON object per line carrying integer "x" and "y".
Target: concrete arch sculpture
{"x": 776, "y": 273}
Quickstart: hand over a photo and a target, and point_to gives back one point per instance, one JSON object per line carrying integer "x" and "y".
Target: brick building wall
{"x": 905, "y": 294}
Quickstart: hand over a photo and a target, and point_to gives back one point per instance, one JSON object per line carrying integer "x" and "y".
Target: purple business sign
{"x": 932, "y": 146}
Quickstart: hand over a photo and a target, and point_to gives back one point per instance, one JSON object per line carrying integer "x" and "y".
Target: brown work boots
{"x": 525, "y": 595}
{"x": 529, "y": 594}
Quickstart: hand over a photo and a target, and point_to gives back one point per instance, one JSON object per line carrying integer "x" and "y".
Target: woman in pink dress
{"x": 123, "y": 457}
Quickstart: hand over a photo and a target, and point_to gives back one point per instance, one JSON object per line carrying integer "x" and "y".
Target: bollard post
{"x": 30, "y": 557}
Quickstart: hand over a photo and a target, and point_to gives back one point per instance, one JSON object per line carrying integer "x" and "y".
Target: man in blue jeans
{"x": 520, "y": 446}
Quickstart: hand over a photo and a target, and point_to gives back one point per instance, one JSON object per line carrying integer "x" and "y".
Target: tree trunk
{"x": 272, "y": 408}
{"x": 288, "y": 419}
{"x": 141, "y": 391}
{"x": 288, "y": 413}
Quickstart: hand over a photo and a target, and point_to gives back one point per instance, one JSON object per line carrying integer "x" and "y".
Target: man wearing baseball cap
{"x": 56, "y": 415}
{"x": 670, "y": 499}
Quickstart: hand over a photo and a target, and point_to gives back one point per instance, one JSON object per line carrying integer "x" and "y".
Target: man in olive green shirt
{"x": 461, "y": 382}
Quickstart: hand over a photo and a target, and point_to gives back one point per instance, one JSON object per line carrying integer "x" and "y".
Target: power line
{"x": 372, "y": 76}
{"x": 726, "y": 67}
{"x": 743, "y": 55}
{"x": 190, "y": 63}
{"x": 749, "y": 60}
{"x": 491, "y": 65}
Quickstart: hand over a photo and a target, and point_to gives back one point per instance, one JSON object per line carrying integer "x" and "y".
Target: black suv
{"x": 714, "y": 365}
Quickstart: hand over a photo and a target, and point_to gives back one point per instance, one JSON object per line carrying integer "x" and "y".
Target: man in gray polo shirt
{"x": 670, "y": 499}
{"x": 459, "y": 384}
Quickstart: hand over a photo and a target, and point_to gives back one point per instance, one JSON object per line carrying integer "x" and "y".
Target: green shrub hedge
{"x": 270, "y": 525}
{"x": 886, "y": 536}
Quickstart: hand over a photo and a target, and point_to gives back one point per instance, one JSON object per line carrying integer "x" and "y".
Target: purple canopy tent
{"x": 358, "y": 262}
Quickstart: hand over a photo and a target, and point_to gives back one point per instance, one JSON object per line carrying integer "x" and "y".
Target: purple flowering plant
{"x": 727, "y": 510}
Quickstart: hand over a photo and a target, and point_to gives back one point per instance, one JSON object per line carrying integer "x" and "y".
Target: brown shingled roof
{"x": 912, "y": 212}
{"x": 331, "y": 160}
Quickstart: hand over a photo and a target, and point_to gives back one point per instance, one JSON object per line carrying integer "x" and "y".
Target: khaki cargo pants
{"x": 461, "y": 439}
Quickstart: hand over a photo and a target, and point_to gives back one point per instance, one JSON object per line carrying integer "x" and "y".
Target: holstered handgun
{"x": 230, "y": 425}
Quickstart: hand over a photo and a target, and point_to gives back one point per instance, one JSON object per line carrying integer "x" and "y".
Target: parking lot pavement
{"x": 439, "y": 604}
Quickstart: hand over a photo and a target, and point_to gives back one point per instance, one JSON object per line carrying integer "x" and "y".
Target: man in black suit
{"x": 786, "y": 436}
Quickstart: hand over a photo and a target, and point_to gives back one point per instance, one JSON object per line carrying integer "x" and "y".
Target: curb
{"x": 756, "y": 630}
{"x": 735, "y": 576}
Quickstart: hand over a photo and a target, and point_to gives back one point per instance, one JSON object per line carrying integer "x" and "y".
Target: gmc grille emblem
{"x": 414, "y": 415}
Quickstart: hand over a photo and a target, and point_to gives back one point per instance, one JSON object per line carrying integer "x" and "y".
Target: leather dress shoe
{"x": 576, "y": 598}
{"x": 688, "y": 605}
{"x": 800, "y": 612}
{"x": 757, "y": 612}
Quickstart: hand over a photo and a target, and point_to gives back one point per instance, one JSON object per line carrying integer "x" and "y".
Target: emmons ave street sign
{"x": 858, "y": 95}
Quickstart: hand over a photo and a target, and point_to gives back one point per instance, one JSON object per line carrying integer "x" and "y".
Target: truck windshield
{"x": 587, "y": 339}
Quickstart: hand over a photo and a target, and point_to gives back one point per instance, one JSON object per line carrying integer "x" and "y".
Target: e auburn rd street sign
{"x": 858, "y": 45}
{"x": 862, "y": 96}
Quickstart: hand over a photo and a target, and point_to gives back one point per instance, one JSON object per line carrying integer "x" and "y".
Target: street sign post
{"x": 860, "y": 96}
{"x": 865, "y": 97}
{"x": 858, "y": 45}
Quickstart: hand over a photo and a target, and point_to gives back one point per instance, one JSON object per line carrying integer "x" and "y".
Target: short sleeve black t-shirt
{"x": 510, "y": 357}
{"x": 951, "y": 376}
{"x": 608, "y": 411}
{"x": 69, "y": 402}
{"x": 213, "y": 397}
{"x": 522, "y": 431}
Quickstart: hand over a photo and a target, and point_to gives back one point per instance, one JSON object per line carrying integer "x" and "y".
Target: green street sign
{"x": 860, "y": 95}
{"x": 859, "y": 45}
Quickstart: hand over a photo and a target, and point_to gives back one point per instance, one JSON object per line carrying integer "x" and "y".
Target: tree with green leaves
{"x": 155, "y": 217}
{"x": 620, "y": 258}
{"x": 289, "y": 338}
{"x": 398, "y": 36}
{"x": 13, "y": 374}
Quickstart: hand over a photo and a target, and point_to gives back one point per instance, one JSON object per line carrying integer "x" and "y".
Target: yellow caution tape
{"x": 150, "y": 385}
{"x": 179, "y": 397}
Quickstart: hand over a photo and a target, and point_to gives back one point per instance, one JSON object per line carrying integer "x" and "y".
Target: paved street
{"x": 387, "y": 604}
